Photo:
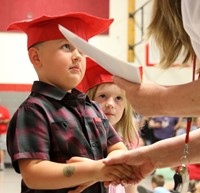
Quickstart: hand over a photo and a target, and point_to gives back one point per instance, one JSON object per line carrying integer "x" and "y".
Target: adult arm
{"x": 150, "y": 99}
{"x": 165, "y": 153}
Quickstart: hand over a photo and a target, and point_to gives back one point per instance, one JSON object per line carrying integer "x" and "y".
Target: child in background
{"x": 157, "y": 182}
{"x": 4, "y": 120}
{"x": 98, "y": 85}
{"x": 57, "y": 122}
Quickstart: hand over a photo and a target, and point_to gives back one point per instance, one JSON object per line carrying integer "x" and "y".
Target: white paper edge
{"x": 100, "y": 57}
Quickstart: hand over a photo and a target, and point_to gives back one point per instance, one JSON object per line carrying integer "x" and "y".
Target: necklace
{"x": 181, "y": 177}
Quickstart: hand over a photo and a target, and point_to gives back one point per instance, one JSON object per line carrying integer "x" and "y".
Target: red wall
{"x": 16, "y": 10}
{"x": 15, "y": 87}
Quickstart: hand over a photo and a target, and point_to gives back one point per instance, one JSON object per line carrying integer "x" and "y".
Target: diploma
{"x": 110, "y": 63}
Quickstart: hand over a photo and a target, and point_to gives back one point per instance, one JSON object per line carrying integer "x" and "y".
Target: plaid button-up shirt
{"x": 55, "y": 125}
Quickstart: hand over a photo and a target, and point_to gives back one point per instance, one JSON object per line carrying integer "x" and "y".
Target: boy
{"x": 56, "y": 122}
{"x": 158, "y": 182}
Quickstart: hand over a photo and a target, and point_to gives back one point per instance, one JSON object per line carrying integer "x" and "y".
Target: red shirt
{"x": 194, "y": 171}
{"x": 4, "y": 115}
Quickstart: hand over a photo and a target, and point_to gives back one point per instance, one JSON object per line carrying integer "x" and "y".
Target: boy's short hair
{"x": 45, "y": 28}
{"x": 158, "y": 180}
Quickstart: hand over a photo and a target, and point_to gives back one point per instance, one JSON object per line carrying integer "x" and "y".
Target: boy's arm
{"x": 113, "y": 150}
{"x": 43, "y": 174}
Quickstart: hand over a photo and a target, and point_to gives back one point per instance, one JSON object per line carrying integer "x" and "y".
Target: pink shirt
{"x": 116, "y": 189}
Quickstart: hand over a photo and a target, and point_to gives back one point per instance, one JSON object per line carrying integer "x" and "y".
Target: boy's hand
{"x": 115, "y": 173}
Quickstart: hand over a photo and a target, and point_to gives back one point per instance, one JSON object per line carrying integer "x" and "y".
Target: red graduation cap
{"x": 94, "y": 75}
{"x": 45, "y": 28}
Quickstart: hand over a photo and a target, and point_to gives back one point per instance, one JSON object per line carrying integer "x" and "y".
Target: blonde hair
{"x": 126, "y": 124}
{"x": 166, "y": 28}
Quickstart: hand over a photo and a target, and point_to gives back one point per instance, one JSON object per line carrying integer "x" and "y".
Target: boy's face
{"x": 60, "y": 64}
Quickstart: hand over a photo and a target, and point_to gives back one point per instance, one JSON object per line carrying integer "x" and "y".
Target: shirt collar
{"x": 55, "y": 92}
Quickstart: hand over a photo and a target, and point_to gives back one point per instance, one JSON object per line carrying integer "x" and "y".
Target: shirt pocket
{"x": 68, "y": 139}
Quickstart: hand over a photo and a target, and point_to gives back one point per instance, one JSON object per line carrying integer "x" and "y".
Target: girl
{"x": 98, "y": 85}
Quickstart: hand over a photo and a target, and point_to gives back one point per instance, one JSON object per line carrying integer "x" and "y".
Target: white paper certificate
{"x": 110, "y": 63}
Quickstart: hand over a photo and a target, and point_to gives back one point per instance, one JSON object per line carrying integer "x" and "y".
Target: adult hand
{"x": 141, "y": 163}
{"x": 144, "y": 98}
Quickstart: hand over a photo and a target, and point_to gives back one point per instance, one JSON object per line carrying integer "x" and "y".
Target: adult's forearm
{"x": 168, "y": 153}
{"x": 150, "y": 99}
{"x": 181, "y": 100}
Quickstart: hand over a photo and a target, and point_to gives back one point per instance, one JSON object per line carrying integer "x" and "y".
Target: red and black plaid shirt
{"x": 55, "y": 125}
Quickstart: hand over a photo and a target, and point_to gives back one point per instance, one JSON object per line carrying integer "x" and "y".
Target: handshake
{"x": 118, "y": 169}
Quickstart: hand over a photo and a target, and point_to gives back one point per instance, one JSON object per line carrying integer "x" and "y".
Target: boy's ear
{"x": 34, "y": 56}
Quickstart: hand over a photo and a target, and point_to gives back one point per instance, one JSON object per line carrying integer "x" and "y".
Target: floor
{"x": 10, "y": 180}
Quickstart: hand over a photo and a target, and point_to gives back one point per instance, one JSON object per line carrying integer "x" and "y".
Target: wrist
{"x": 98, "y": 170}
{"x": 152, "y": 155}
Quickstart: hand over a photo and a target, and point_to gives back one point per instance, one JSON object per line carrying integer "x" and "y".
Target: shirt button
{"x": 64, "y": 124}
{"x": 93, "y": 145}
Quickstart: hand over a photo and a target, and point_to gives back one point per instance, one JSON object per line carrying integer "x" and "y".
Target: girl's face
{"x": 62, "y": 65}
{"x": 112, "y": 101}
